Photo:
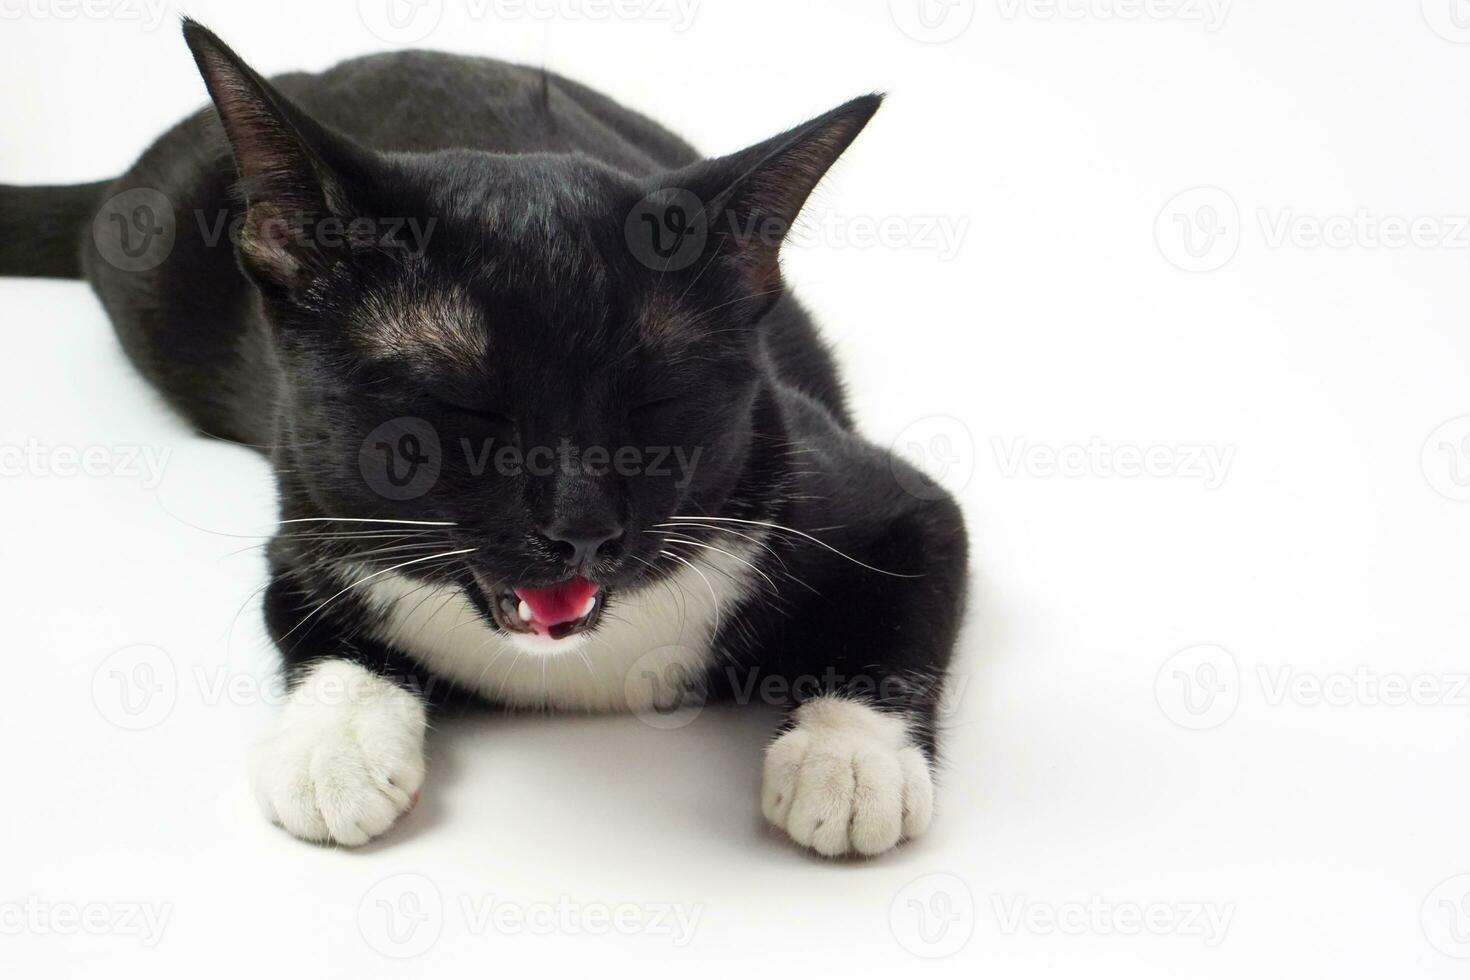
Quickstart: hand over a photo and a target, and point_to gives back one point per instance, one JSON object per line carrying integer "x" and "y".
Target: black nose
{"x": 581, "y": 546}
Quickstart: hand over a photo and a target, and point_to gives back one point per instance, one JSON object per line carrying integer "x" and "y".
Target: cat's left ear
{"x": 751, "y": 199}
{"x": 290, "y": 167}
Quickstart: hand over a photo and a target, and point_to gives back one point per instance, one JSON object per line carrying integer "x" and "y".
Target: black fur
{"x": 542, "y": 325}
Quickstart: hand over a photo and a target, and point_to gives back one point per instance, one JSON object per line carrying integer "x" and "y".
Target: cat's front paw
{"x": 847, "y": 779}
{"x": 346, "y": 758}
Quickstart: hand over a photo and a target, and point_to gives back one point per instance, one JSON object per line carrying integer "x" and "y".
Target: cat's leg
{"x": 345, "y": 757}
{"x": 852, "y": 771}
{"x": 847, "y": 777}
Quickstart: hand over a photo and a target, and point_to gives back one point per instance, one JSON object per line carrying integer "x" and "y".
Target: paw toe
{"x": 847, "y": 788}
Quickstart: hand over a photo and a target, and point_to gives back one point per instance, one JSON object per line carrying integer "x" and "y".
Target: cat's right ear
{"x": 288, "y": 185}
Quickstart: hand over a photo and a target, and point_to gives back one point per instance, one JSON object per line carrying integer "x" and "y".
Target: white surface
{"x": 1321, "y": 830}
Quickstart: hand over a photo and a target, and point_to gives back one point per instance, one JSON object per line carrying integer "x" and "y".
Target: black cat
{"x": 547, "y": 427}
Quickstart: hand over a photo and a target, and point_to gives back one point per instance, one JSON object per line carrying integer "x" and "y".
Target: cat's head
{"x": 542, "y": 359}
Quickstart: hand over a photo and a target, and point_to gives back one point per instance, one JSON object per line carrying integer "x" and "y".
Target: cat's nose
{"x": 581, "y": 545}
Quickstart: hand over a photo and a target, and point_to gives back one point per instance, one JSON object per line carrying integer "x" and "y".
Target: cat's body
{"x": 502, "y": 302}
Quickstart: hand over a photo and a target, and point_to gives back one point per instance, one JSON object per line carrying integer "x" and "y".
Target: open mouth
{"x": 556, "y": 611}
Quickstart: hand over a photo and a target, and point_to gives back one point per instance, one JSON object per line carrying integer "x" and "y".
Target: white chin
{"x": 545, "y": 646}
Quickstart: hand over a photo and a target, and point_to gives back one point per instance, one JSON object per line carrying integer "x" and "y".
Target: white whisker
{"x": 680, "y": 519}
{"x": 394, "y": 568}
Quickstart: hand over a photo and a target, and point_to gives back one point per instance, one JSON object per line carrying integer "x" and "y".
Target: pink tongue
{"x": 556, "y": 604}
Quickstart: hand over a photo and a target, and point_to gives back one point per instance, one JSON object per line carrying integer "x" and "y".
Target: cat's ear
{"x": 753, "y": 197}
{"x": 281, "y": 155}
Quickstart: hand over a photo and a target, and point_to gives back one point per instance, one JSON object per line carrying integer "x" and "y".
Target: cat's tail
{"x": 41, "y": 228}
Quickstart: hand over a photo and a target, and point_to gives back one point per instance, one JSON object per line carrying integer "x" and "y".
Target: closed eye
{"x": 480, "y": 413}
{"x": 655, "y": 404}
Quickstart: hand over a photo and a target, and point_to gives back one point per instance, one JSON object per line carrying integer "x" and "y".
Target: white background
{"x": 1333, "y": 550}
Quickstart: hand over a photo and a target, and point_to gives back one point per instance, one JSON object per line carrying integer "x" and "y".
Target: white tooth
{"x": 587, "y": 609}
{"x": 524, "y": 611}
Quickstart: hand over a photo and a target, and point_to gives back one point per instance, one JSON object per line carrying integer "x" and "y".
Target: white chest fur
{"x": 646, "y": 644}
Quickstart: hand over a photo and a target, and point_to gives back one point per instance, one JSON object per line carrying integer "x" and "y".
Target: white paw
{"x": 847, "y": 779}
{"x": 346, "y": 757}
